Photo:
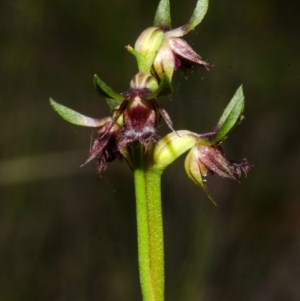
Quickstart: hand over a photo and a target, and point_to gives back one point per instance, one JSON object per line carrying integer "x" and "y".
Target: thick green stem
{"x": 149, "y": 226}
{"x": 156, "y": 236}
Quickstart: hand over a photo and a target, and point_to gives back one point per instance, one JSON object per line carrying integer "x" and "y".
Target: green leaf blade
{"x": 231, "y": 115}
{"x": 163, "y": 16}
{"x": 75, "y": 117}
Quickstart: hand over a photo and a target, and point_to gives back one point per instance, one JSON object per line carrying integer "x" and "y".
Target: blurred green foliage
{"x": 68, "y": 234}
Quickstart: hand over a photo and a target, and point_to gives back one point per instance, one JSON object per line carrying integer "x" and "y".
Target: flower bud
{"x": 144, "y": 80}
{"x": 149, "y": 41}
{"x": 173, "y": 145}
{"x": 147, "y": 46}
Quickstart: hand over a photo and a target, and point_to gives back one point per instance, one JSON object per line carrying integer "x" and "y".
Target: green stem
{"x": 156, "y": 234}
{"x": 149, "y": 225}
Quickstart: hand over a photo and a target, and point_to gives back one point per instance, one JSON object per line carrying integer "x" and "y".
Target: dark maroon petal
{"x": 98, "y": 146}
{"x": 105, "y": 142}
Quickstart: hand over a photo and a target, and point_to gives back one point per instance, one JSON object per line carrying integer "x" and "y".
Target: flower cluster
{"x": 135, "y": 113}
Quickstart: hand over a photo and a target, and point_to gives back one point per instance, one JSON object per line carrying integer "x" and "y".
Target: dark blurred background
{"x": 68, "y": 234}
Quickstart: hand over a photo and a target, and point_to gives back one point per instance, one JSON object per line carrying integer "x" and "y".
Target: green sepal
{"x": 75, "y": 117}
{"x": 104, "y": 90}
{"x": 163, "y": 16}
{"x": 193, "y": 171}
{"x": 164, "y": 88}
{"x": 196, "y": 18}
{"x": 138, "y": 57}
{"x": 112, "y": 103}
{"x": 231, "y": 115}
{"x": 198, "y": 15}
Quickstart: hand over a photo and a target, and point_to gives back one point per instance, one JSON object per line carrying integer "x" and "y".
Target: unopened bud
{"x": 172, "y": 146}
{"x": 149, "y": 41}
{"x": 144, "y": 80}
{"x": 147, "y": 45}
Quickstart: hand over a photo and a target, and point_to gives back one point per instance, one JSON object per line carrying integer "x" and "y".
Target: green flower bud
{"x": 144, "y": 80}
{"x": 172, "y": 146}
{"x": 147, "y": 46}
{"x": 149, "y": 41}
